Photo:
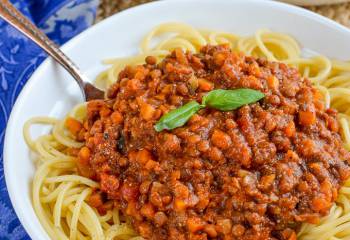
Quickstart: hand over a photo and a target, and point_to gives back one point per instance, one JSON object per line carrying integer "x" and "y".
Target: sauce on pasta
{"x": 71, "y": 206}
{"x": 254, "y": 173}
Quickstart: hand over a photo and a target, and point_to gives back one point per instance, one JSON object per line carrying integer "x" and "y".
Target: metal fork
{"x": 11, "y": 15}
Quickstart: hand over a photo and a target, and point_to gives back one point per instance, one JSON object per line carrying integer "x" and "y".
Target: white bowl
{"x": 51, "y": 91}
{"x": 314, "y": 2}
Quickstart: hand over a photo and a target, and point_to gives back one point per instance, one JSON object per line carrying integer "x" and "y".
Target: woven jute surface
{"x": 337, "y": 12}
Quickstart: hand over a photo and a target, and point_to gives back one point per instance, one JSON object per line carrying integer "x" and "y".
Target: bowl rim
{"x": 15, "y": 200}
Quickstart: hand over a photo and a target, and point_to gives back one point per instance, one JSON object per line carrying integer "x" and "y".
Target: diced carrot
{"x": 224, "y": 226}
{"x": 333, "y": 124}
{"x": 86, "y": 125}
{"x": 273, "y": 82}
{"x": 256, "y": 71}
{"x": 221, "y": 139}
{"x": 197, "y": 164}
{"x": 334, "y": 194}
{"x": 151, "y": 164}
{"x": 73, "y": 125}
{"x": 167, "y": 89}
{"x": 132, "y": 156}
{"x": 141, "y": 72}
{"x": 84, "y": 155}
{"x": 320, "y": 204}
{"x": 195, "y": 224}
{"x": 289, "y": 234}
{"x": 179, "y": 205}
{"x": 326, "y": 189}
{"x": 139, "y": 75}
{"x": 143, "y": 156}
{"x": 292, "y": 156}
{"x": 266, "y": 181}
{"x": 171, "y": 143}
{"x": 169, "y": 67}
{"x": 303, "y": 186}
{"x": 175, "y": 175}
{"x": 307, "y": 118}
{"x": 196, "y": 62}
{"x": 215, "y": 154}
{"x": 180, "y": 56}
{"x": 147, "y": 111}
{"x": 181, "y": 190}
{"x": 133, "y": 84}
{"x": 319, "y": 105}
{"x": 317, "y": 95}
{"x": 160, "y": 96}
{"x": 205, "y": 85}
{"x": 105, "y": 167}
{"x": 312, "y": 218}
{"x": 219, "y": 58}
{"x": 157, "y": 114}
{"x": 85, "y": 170}
{"x": 309, "y": 147}
{"x": 290, "y": 129}
{"x": 238, "y": 230}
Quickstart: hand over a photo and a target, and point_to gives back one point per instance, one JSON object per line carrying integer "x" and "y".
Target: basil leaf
{"x": 227, "y": 100}
{"x": 177, "y": 117}
{"x": 224, "y": 100}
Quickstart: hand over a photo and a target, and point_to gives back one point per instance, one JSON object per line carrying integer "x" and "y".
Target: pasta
{"x": 60, "y": 195}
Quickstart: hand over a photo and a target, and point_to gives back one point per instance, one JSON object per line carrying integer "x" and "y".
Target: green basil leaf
{"x": 227, "y": 100}
{"x": 177, "y": 117}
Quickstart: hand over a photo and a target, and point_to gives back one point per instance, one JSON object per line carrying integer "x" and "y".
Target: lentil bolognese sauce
{"x": 257, "y": 172}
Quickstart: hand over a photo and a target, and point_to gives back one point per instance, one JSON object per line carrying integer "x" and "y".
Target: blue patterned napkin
{"x": 60, "y": 20}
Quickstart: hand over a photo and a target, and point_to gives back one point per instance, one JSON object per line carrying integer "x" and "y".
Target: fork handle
{"x": 10, "y": 14}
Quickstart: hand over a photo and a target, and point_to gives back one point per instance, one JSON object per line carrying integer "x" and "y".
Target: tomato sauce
{"x": 257, "y": 172}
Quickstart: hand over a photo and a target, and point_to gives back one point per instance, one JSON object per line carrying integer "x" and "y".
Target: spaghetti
{"x": 60, "y": 195}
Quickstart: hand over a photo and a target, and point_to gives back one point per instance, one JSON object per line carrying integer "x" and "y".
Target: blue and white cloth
{"x": 19, "y": 57}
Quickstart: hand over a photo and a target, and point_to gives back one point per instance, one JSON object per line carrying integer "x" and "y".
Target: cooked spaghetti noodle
{"x": 60, "y": 195}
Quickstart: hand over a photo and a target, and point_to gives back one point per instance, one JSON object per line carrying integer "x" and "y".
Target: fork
{"x": 11, "y": 15}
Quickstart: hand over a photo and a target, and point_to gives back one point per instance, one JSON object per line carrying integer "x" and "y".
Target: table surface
{"x": 337, "y": 12}
{"x": 31, "y": 57}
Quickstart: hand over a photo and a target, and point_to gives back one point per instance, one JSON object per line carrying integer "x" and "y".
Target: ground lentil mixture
{"x": 254, "y": 173}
